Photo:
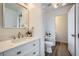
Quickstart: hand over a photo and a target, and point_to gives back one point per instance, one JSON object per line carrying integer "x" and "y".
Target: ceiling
{"x": 45, "y": 5}
{"x": 49, "y": 9}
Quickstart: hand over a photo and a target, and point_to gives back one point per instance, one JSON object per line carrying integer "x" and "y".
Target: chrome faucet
{"x": 19, "y": 35}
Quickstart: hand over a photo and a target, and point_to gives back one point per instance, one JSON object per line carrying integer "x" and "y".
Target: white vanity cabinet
{"x": 28, "y": 49}
{"x": 11, "y": 52}
{"x": 34, "y": 52}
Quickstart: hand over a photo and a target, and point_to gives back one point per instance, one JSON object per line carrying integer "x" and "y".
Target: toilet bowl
{"x": 49, "y": 42}
{"x": 48, "y": 46}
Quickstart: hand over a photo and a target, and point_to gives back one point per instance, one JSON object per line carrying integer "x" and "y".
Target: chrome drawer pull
{"x": 18, "y": 52}
{"x": 34, "y": 44}
{"x": 34, "y": 52}
{"x": 73, "y": 35}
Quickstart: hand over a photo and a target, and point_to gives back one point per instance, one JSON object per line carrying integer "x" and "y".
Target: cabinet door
{"x": 27, "y": 48}
{"x": 1, "y": 54}
{"x": 11, "y": 52}
{"x": 34, "y": 52}
{"x": 42, "y": 47}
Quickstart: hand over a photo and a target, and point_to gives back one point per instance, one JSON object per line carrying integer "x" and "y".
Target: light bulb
{"x": 55, "y": 5}
{"x": 63, "y": 4}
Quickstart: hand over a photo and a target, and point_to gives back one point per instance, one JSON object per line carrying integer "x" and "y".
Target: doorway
{"x": 61, "y": 48}
{"x": 61, "y": 28}
{"x": 66, "y": 32}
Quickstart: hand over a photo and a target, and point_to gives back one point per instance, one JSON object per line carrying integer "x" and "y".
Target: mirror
{"x": 14, "y": 16}
{"x": 1, "y": 15}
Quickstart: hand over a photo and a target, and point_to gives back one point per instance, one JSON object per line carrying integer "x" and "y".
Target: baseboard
{"x": 62, "y": 42}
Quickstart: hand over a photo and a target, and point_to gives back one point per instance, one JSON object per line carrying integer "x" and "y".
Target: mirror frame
{"x": 20, "y": 4}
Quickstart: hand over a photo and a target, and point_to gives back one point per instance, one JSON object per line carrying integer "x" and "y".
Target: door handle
{"x": 73, "y": 35}
{"x": 19, "y": 52}
{"x": 78, "y": 35}
{"x": 34, "y": 52}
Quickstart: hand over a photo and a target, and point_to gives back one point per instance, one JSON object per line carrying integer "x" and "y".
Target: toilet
{"x": 49, "y": 42}
{"x": 48, "y": 46}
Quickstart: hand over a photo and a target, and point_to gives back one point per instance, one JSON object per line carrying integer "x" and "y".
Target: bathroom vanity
{"x": 28, "y": 47}
{"x": 15, "y": 16}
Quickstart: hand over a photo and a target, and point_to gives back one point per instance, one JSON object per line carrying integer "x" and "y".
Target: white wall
{"x": 35, "y": 20}
{"x": 61, "y": 28}
{"x": 49, "y": 22}
{"x": 45, "y": 18}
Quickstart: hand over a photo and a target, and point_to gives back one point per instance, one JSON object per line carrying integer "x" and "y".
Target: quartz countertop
{"x": 9, "y": 44}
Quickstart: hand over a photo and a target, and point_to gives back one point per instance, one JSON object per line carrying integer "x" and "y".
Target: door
{"x": 71, "y": 30}
{"x": 77, "y": 29}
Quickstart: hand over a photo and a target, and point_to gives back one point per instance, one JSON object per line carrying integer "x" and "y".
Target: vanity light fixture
{"x": 63, "y": 4}
{"x": 56, "y": 5}
{"x": 29, "y": 5}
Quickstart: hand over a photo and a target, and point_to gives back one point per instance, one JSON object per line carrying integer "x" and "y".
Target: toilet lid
{"x": 49, "y": 38}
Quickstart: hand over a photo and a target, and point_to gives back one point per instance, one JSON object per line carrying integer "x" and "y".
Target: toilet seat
{"x": 48, "y": 43}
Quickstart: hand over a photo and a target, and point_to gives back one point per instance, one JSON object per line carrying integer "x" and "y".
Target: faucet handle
{"x": 13, "y": 37}
{"x": 19, "y": 33}
{"x": 22, "y": 35}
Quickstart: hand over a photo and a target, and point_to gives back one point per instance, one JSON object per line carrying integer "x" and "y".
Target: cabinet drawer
{"x": 23, "y": 49}
{"x": 11, "y": 52}
{"x": 37, "y": 54}
{"x": 34, "y": 52}
{"x": 28, "y": 47}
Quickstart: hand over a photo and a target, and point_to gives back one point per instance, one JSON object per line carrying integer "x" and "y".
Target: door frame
{"x": 75, "y": 27}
